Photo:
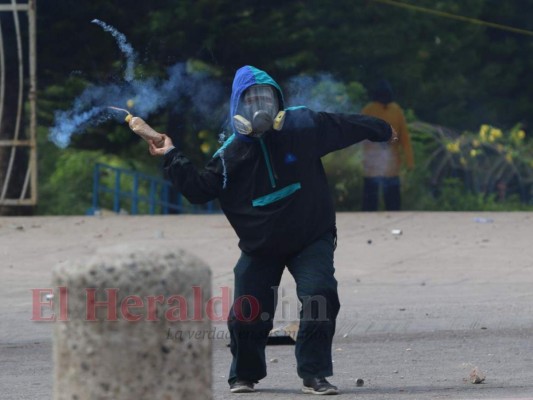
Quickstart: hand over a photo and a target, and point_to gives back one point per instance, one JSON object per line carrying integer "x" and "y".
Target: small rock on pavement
{"x": 476, "y": 376}
{"x": 359, "y": 382}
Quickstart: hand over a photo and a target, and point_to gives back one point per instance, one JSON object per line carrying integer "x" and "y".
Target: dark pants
{"x": 391, "y": 193}
{"x": 251, "y": 316}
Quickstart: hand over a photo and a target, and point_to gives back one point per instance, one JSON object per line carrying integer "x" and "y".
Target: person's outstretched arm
{"x": 334, "y": 131}
{"x": 198, "y": 186}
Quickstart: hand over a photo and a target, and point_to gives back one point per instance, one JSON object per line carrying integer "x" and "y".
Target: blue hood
{"x": 244, "y": 78}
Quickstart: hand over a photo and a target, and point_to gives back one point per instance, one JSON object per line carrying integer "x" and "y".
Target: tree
{"x": 449, "y": 72}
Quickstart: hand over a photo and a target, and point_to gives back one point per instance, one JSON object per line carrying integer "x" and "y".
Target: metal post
{"x": 164, "y": 199}
{"x": 96, "y": 186}
{"x": 116, "y": 192}
{"x": 151, "y": 197}
{"x": 32, "y": 12}
{"x": 27, "y": 88}
{"x": 135, "y": 194}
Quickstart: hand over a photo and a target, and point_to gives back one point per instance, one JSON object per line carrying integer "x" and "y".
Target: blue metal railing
{"x": 121, "y": 188}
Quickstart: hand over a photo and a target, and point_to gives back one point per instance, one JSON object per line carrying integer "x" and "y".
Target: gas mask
{"x": 258, "y": 111}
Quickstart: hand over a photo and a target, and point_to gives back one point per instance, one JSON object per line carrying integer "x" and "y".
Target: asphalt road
{"x": 420, "y": 310}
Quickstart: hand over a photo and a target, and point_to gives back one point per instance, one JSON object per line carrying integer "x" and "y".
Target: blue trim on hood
{"x": 244, "y": 78}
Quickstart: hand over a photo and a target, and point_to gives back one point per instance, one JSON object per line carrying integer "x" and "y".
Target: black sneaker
{"x": 319, "y": 386}
{"x": 242, "y": 386}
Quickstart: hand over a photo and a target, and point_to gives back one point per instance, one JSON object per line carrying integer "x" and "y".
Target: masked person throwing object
{"x": 271, "y": 186}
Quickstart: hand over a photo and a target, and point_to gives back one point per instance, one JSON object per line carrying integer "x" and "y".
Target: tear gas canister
{"x": 141, "y": 128}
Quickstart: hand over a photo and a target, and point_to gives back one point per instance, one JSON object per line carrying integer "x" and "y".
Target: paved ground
{"x": 420, "y": 310}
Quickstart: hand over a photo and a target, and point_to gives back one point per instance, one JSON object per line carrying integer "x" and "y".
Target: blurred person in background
{"x": 382, "y": 163}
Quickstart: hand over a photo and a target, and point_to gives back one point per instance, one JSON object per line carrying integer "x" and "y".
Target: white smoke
{"x": 320, "y": 92}
{"x": 147, "y": 95}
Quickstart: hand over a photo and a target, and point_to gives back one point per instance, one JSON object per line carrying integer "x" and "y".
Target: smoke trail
{"x": 146, "y": 96}
{"x": 321, "y": 93}
{"x": 89, "y": 109}
{"x": 70, "y": 120}
{"x": 142, "y": 97}
{"x": 124, "y": 46}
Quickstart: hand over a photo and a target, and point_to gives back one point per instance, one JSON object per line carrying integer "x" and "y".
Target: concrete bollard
{"x": 129, "y": 325}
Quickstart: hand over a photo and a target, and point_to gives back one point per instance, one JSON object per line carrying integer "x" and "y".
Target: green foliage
{"x": 449, "y": 72}
{"x": 453, "y": 196}
{"x": 68, "y": 190}
{"x": 357, "y": 41}
{"x": 489, "y": 170}
{"x": 488, "y": 161}
{"x": 345, "y": 176}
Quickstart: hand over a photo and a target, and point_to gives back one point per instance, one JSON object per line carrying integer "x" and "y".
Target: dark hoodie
{"x": 273, "y": 190}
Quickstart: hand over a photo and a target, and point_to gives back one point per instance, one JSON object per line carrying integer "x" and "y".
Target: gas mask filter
{"x": 258, "y": 111}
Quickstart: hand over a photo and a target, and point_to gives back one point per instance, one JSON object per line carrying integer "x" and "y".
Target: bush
{"x": 487, "y": 170}
{"x": 344, "y": 170}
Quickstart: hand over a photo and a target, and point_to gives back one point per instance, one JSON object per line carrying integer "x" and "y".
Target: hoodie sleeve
{"x": 198, "y": 186}
{"x": 319, "y": 133}
{"x": 337, "y": 131}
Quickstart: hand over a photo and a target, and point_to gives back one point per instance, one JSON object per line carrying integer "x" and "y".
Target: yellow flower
{"x": 205, "y": 147}
{"x": 483, "y": 131}
{"x": 453, "y": 147}
{"x": 474, "y": 153}
{"x": 518, "y": 136}
{"x": 462, "y": 160}
{"x": 509, "y": 157}
{"x": 495, "y": 134}
{"x": 476, "y": 143}
{"x": 203, "y": 134}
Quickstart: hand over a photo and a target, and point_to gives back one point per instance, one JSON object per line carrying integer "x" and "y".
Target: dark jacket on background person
{"x": 273, "y": 189}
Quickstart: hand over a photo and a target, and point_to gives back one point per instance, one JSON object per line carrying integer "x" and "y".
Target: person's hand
{"x": 394, "y": 137}
{"x": 160, "y": 151}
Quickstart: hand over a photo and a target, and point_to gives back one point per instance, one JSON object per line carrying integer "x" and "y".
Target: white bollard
{"x": 131, "y": 325}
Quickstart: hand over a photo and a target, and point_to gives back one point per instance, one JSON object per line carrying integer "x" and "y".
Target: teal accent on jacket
{"x": 276, "y": 196}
